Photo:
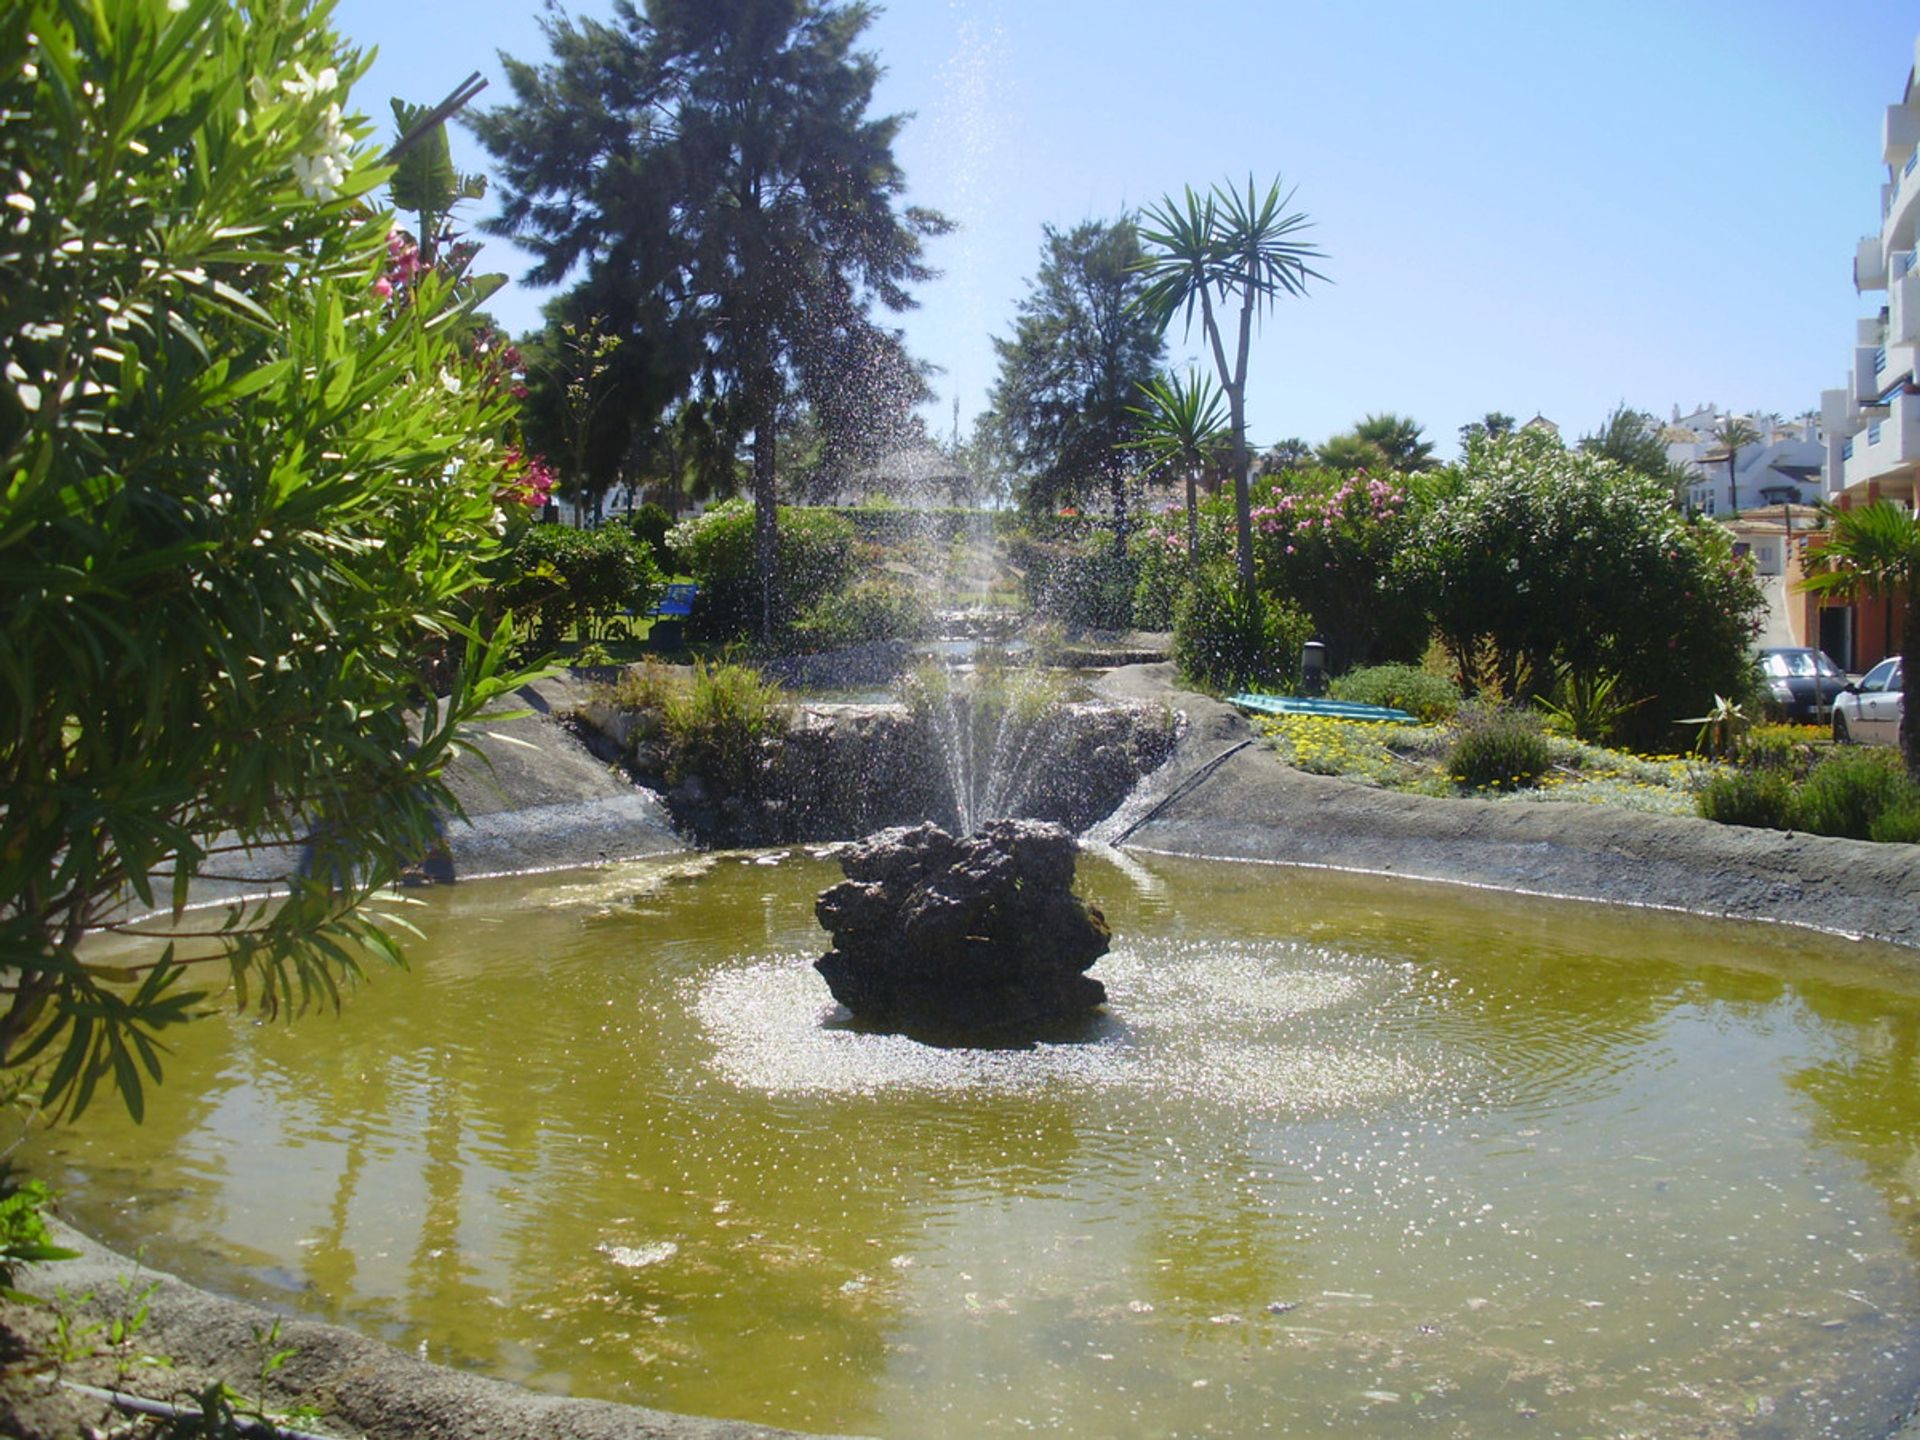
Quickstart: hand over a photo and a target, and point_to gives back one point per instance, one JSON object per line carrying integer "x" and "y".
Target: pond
{"x": 1344, "y": 1155}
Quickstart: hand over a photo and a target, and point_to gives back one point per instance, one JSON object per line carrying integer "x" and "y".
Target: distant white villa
{"x": 1782, "y": 467}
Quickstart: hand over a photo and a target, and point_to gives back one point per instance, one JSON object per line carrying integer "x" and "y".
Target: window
{"x": 1880, "y": 678}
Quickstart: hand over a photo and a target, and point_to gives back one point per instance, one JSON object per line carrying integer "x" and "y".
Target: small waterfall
{"x": 992, "y": 728}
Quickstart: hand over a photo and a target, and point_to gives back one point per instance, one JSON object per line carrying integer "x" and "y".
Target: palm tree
{"x": 1732, "y": 432}
{"x": 1875, "y": 550}
{"x": 1182, "y": 426}
{"x": 1233, "y": 247}
{"x": 1401, "y": 440}
{"x": 1353, "y": 451}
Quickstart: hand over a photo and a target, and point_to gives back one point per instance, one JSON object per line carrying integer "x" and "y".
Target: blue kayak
{"x": 1313, "y": 705}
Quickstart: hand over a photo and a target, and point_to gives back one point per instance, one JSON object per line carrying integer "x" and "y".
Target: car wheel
{"x": 1840, "y": 733}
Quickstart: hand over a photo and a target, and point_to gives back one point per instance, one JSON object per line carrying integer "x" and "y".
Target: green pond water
{"x": 1344, "y": 1156}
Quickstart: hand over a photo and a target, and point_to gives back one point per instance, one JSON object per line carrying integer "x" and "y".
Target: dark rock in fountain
{"x": 939, "y": 933}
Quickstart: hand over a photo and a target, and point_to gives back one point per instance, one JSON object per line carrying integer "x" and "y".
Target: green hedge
{"x": 814, "y": 559}
{"x": 559, "y": 576}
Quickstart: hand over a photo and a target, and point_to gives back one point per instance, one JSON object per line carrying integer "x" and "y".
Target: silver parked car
{"x": 1873, "y": 711}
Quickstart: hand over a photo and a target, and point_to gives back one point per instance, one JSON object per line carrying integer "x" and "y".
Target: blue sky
{"x": 1531, "y": 207}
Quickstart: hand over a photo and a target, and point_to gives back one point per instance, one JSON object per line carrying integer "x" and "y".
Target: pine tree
{"x": 712, "y": 163}
{"x": 1070, "y": 377}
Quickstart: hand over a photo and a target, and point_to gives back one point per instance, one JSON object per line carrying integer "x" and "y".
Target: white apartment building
{"x": 1782, "y": 467}
{"x": 1873, "y": 426}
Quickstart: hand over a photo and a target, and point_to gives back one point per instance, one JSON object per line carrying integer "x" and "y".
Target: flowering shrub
{"x": 525, "y": 480}
{"x": 1162, "y": 565}
{"x": 1327, "y": 543}
{"x": 1533, "y": 556}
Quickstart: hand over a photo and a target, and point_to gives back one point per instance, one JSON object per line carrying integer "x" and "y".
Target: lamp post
{"x": 1313, "y": 668}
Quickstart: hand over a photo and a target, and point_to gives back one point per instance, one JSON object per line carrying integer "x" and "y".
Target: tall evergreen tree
{"x": 1492, "y": 426}
{"x": 1070, "y": 377}
{"x": 713, "y": 162}
{"x": 1632, "y": 438}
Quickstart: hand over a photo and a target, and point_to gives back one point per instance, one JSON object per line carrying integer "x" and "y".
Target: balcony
{"x": 1900, "y": 134}
{"x": 1870, "y": 264}
{"x": 1866, "y": 380}
{"x": 1898, "y": 219}
{"x": 1889, "y": 445}
{"x": 1903, "y": 304}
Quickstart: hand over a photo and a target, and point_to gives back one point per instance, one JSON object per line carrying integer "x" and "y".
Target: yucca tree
{"x": 1875, "y": 550}
{"x": 1184, "y": 428}
{"x": 1207, "y": 253}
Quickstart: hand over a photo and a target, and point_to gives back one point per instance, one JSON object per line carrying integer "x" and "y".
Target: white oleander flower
{"x": 323, "y": 170}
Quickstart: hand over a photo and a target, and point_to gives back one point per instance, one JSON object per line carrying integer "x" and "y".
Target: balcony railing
{"x": 1846, "y": 449}
{"x": 1879, "y": 359}
{"x": 1873, "y": 433}
{"x": 1912, "y": 159}
{"x": 1903, "y": 260}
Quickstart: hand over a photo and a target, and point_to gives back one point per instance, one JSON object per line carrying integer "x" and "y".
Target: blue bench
{"x": 676, "y": 603}
{"x": 1313, "y": 705}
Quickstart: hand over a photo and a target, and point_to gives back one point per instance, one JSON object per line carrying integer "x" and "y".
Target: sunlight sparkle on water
{"x": 1279, "y": 1028}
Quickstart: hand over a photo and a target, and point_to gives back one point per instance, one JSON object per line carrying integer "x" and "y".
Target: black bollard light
{"x": 1313, "y": 668}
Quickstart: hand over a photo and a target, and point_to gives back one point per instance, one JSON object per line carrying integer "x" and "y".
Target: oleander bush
{"x": 1226, "y": 641}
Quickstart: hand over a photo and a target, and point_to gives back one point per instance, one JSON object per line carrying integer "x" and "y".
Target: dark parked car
{"x": 1803, "y": 682}
{"x": 1874, "y": 711}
